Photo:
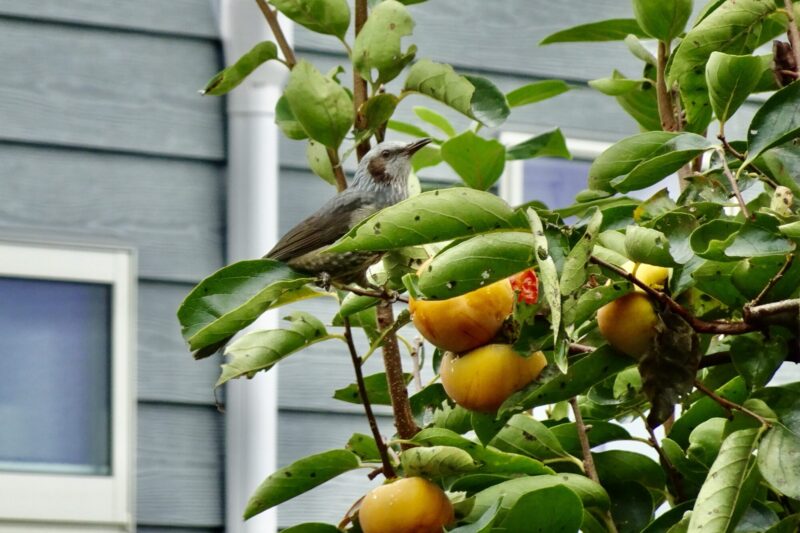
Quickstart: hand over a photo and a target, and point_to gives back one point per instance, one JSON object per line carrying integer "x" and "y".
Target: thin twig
{"x": 665, "y": 109}
{"x": 794, "y": 34}
{"x": 416, "y": 351}
{"x": 775, "y": 279}
{"x": 725, "y": 144}
{"x": 700, "y": 326}
{"x": 277, "y": 32}
{"x": 727, "y": 404}
{"x": 588, "y": 461}
{"x": 674, "y": 476}
{"x": 735, "y": 186}
{"x": 388, "y": 470}
{"x": 388, "y": 295}
{"x": 575, "y": 348}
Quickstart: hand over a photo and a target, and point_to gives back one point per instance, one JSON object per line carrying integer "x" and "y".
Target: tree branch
{"x": 734, "y": 186}
{"x": 403, "y": 419}
{"x": 360, "y": 84}
{"x": 277, "y": 32}
{"x": 727, "y": 404}
{"x": 666, "y": 111}
{"x": 388, "y": 470}
{"x": 341, "y": 182}
{"x": 775, "y": 279}
{"x": 794, "y": 35}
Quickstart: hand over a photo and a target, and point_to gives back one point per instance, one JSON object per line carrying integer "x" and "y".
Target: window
{"x": 66, "y": 386}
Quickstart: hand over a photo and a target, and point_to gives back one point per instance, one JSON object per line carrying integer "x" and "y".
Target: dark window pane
{"x": 55, "y": 367}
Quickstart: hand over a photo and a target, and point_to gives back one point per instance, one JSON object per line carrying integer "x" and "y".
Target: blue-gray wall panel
{"x": 170, "y": 210}
{"x": 110, "y": 90}
{"x": 193, "y": 18}
{"x": 180, "y": 466}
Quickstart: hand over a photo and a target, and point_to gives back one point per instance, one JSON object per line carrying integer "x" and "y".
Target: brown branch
{"x": 588, "y": 461}
{"x": 783, "y": 312}
{"x": 715, "y": 359}
{"x": 666, "y": 110}
{"x": 735, "y": 186}
{"x": 699, "y": 325}
{"x": 403, "y": 419}
{"x": 360, "y": 84}
{"x": 416, "y": 354}
{"x": 388, "y": 295}
{"x": 730, "y": 149}
{"x": 341, "y": 182}
{"x": 775, "y": 279}
{"x": 794, "y": 35}
{"x": 727, "y": 404}
{"x": 674, "y": 476}
{"x": 388, "y": 470}
{"x": 277, "y": 32}
{"x": 575, "y": 348}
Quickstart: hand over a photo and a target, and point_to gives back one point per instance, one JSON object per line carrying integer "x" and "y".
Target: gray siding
{"x": 103, "y": 135}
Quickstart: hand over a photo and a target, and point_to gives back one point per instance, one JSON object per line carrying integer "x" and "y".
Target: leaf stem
{"x": 277, "y": 32}
{"x": 727, "y": 404}
{"x": 388, "y": 470}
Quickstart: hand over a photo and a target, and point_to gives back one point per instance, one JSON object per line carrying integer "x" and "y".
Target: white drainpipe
{"x": 252, "y": 187}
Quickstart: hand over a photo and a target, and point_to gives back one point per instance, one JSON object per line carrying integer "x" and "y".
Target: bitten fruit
{"x": 464, "y": 322}
{"x": 482, "y": 379}
{"x": 407, "y": 505}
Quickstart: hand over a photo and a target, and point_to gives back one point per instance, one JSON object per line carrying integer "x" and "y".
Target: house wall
{"x": 103, "y": 135}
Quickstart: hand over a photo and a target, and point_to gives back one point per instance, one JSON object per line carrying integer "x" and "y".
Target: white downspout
{"x": 252, "y": 188}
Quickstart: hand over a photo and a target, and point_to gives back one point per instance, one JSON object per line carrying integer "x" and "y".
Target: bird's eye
{"x": 385, "y": 153}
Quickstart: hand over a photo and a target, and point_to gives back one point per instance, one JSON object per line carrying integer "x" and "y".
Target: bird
{"x": 381, "y": 180}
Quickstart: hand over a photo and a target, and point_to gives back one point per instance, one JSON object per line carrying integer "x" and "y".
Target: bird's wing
{"x": 325, "y": 226}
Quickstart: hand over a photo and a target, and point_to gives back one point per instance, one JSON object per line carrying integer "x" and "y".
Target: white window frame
{"x": 511, "y": 182}
{"x": 53, "y": 502}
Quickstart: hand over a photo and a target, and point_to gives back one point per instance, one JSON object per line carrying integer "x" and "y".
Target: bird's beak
{"x": 412, "y": 148}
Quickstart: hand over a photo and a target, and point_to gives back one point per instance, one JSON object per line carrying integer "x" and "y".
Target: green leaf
{"x": 478, "y": 161}
{"x": 320, "y": 105}
{"x": 233, "y": 297}
{"x": 730, "y": 80}
{"x": 482, "y": 524}
{"x": 573, "y": 275}
{"x": 436, "y": 461}
{"x": 638, "y": 50}
{"x": 549, "y": 278}
{"x": 228, "y": 78}
{"x": 601, "y": 433}
{"x": 790, "y": 524}
{"x": 779, "y": 461}
{"x": 732, "y": 28}
{"x": 319, "y": 162}
{"x": 705, "y": 408}
{"x": 432, "y": 216}
{"x": 757, "y": 517}
{"x": 299, "y": 477}
{"x": 579, "y": 311}
{"x": 616, "y": 84}
{"x": 476, "y": 262}
{"x": 379, "y": 109}
{"x": 312, "y": 527}
{"x": 622, "y": 466}
{"x": 377, "y": 390}
{"x": 776, "y": 122}
{"x": 581, "y": 375}
{"x": 536, "y": 92}
{"x": 435, "y": 119}
{"x": 756, "y": 358}
{"x": 590, "y": 493}
{"x": 261, "y": 350}
{"x": 408, "y": 129}
{"x": 525, "y": 435}
{"x": 624, "y": 156}
{"x": 759, "y": 237}
{"x": 670, "y": 157}
{"x": 286, "y": 121}
{"x": 550, "y": 143}
{"x": 364, "y": 447}
{"x": 472, "y": 96}
{"x": 663, "y": 523}
{"x": 710, "y": 240}
{"x": 604, "y": 30}
{"x": 646, "y": 245}
{"x": 378, "y": 43}
{"x": 662, "y": 19}
{"x": 642, "y": 105}
{"x": 488, "y": 103}
{"x": 331, "y": 17}
{"x": 730, "y": 485}
{"x": 557, "y": 509}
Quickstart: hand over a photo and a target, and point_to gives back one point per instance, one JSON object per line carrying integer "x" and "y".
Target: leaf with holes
{"x": 261, "y": 350}
{"x": 432, "y": 216}
{"x": 378, "y": 43}
{"x": 436, "y": 461}
{"x": 299, "y": 477}
{"x": 549, "y": 278}
{"x": 573, "y": 274}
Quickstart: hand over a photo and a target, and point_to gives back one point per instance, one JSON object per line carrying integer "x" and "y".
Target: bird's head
{"x": 386, "y": 166}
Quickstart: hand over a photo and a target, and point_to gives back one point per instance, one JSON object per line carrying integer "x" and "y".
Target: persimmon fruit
{"x": 406, "y": 505}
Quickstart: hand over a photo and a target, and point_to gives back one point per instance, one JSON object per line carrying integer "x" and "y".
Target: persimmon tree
{"x": 718, "y": 324}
